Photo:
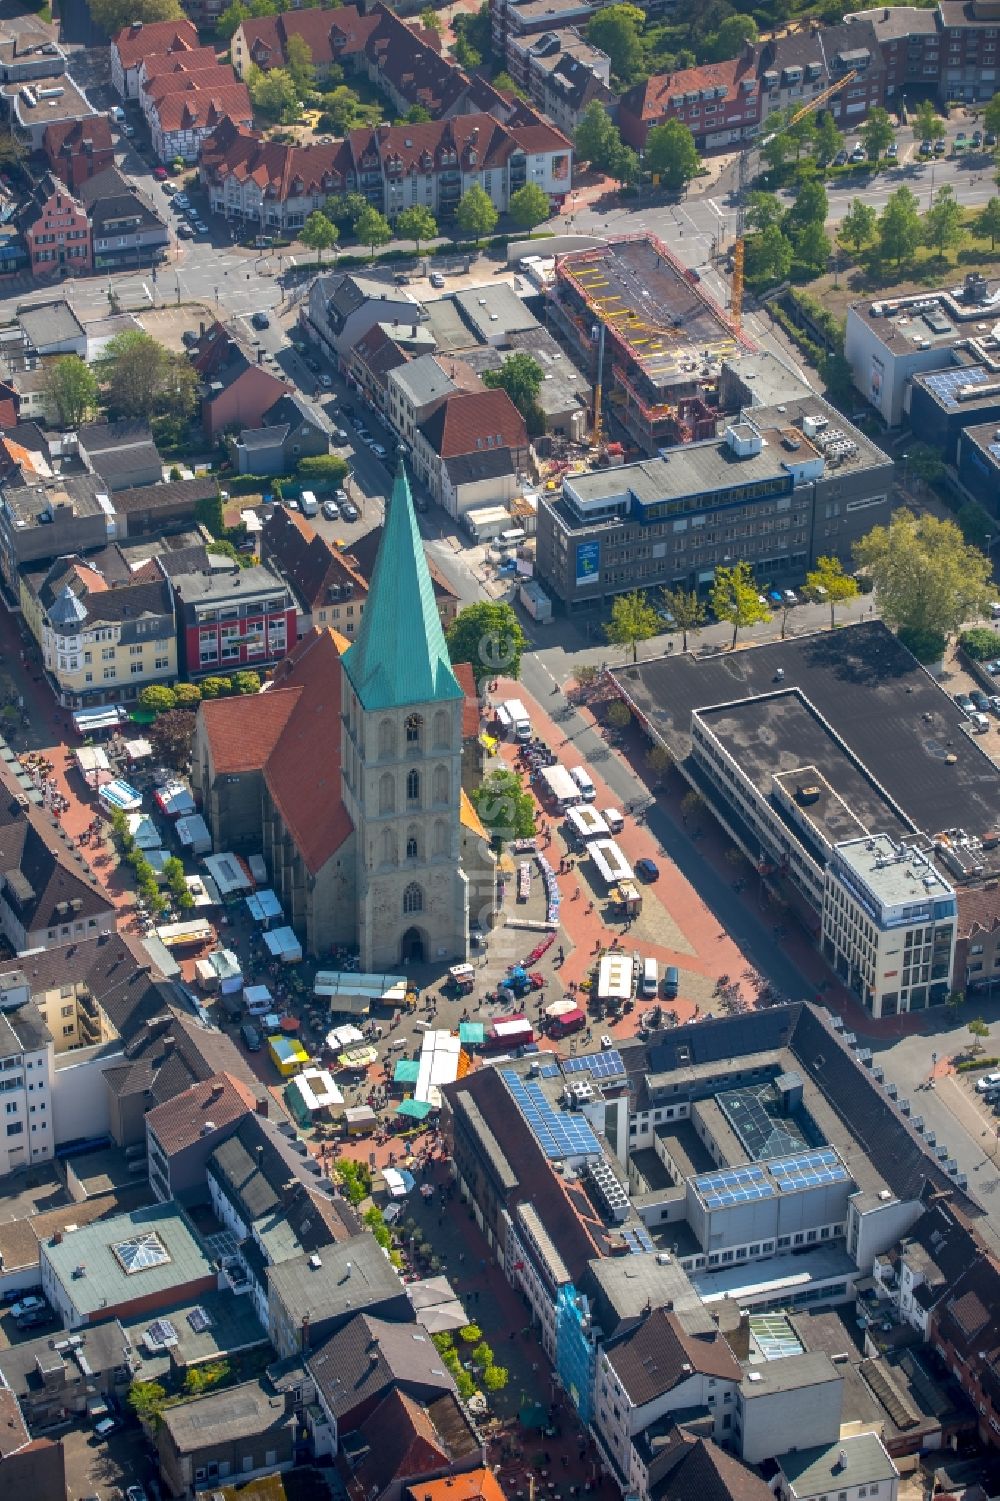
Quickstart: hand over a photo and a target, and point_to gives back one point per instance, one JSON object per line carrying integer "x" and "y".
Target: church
{"x": 346, "y": 773}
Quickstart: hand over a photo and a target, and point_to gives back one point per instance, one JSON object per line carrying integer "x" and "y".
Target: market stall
{"x": 313, "y": 1095}
{"x": 138, "y": 750}
{"x": 610, "y": 862}
{"x": 440, "y": 1051}
{"x": 202, "y": 891}
{"x": 145, "y": 834}
{"x": 339, "y": 1038}
{"x": 282, "y": 944}
{"x": 287, "y": 1054}
{"x": 175, "y": 799}
{"x": 101, "y": 719}
{"x": 229, "y": 875}
{"x": 259, "y": 1000}
{"x": 358, "y": 1059}
{"x": 356, "y": 993}
{"x": 180, "y": 935}
{"x": 93, "y": 764}
{"x": 118, "y": 796}
{"x": 359, "y": 1120}
{"x": 264, "y": 906}
{"x": 227, "y": 971}
{"x": 193, "y": 835}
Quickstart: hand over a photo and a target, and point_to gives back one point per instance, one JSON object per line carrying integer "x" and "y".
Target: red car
{"x": 159, "y": 173}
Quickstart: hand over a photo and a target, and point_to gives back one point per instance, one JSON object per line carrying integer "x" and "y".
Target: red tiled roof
{"x": 71, "y": 134}
{"x": 307, "y": 561}
{"x": 650, "y": 100}
{"x": 307, "y": 790}
{"x": 179, "y": 62}
{"x": 133, "y": 43}
{"x": 273, "y": 32}
{"x": 244, "y": 155}
{"x": 466, "y": 422}
{"x": 205, "y": 108}
{"x": 242, "y": 732}
{"x": 218, "y": 1101}
{"x": 470, "y": 709}
{"x": 473, "y": 1485}
{"x": 188, "y": 80}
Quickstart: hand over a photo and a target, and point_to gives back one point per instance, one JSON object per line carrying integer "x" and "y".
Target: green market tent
{"x": 474, "y": 1033}
{"x": 418, "y": 1110}
{"x": 407, "y": 1071}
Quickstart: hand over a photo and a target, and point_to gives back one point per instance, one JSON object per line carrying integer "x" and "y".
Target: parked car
{"x": 987, "y": 1082}
{"x": 993, "y": 668}
{"x": 29, "y": 1304}
{"x": 840, "y": 160}
{"x": 977, "y": 139}
{"x": 260, "y": 320}
{"x": 181, "y": 201}
{"x": 893, "y": 152}
{"x": 184, "y": 231}
{"x": 858, "y": 154}
{"x": 170, "y": 188}
{"x": 979, "y": 700}
{"x": 378, "y": 450}
{"x": 325, "y": 382}
{"x": 105, "y": 1428}
{"x": 940, "y": 146}
{"x": 135, "y": 1493}
{"x": 960, "y": 141}
{"x": 339, "y": 435}
{"x": 189, "y": 338}
{"x": 340, "y": 496}
{"x": 926, "y": 148}
{"x": 789, "y": 597}
{"x": 990, "y": 138}
{"x": 251, "y": 1037}
{"x": 647, "y": 870}
{"x": 201, "y": 227}
{"x": 965, "y": 703}
{"x": 349, "y": 511}
{"x": 330, "y": 510}
{"x": 995, "y": 703}
{"x": 437, "y": 280}
{"x": 159, "y": 173}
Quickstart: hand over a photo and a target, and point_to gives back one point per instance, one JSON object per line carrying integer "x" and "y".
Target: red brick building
{"x": 79, "y": 149}
{"x": 718, "y": 102}
{"x": 237, "y": 390}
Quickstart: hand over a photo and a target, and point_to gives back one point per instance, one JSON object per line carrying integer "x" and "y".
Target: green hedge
{"x": 969, "y": 1065}
{"x": 980, "y": 643}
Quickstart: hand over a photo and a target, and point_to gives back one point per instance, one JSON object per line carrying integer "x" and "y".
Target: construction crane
{"x": 743, "y": 182}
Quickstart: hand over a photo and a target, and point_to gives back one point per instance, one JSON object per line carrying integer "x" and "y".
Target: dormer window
{"x": 472, "y": 157}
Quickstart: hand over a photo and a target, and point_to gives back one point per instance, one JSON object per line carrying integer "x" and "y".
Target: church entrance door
{"x": 412, "y": 949}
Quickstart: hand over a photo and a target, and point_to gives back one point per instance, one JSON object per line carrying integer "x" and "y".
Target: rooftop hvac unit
{"x": 813, "y": 424}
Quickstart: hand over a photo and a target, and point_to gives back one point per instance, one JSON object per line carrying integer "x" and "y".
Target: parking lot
{"x": 104, "y": 1468}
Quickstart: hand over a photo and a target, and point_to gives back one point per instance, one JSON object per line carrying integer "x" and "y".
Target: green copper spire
{"x": 399, "y": 656}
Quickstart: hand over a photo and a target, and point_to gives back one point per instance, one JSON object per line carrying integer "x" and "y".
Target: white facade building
{"x": 27, "y": 1134}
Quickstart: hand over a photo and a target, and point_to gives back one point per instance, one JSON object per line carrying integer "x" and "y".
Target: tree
{"x": 924, "y": 463}
{"x": 616, "y": 30}
{"x": 144, "y": 380}
{"x": 187, "y": 695}
{"x": 991, "y": 115}
{"x": 274, "y": 94}
{"x": 623, "y": 165}
{"x": 927, "y": 576}
{"x": 530, "y": 206}
{"x": 943, "y": 228}
{"x": 342, "y": 110}
{"x": 595, "y": 135}
{"x": 687, "y": 609}
{"x": 978, "y": 528}
{"x": 899, "y": 227}
{"x": 345, "y": 208}
{"x": 201, "y": 1378}
{"x": 812, "y": 246}
{"x": 146, "y": 1399}
{"x": 318, "y": 233}
{"x": 733, "y": 32}
{"x": 877, "y": 134}
{"x": 987, "y": 221}
{"x": 735, "y": 597}
{"x": 246, "y": 683}
{"x": 208, "y": 513}
{"x": 977, "y": 1030}
{"x": 157, "y": 697}
{"x": 802, "y": 134}
{"x": 70, "y": 390}
{"x": 777, "y": 147}
{"x": 811, "y": 206}
{"x": 633, "y": 619}
{"x": 829, "y": 583}
{"x": 416, "y": 224}
{"x": 495, "y": 1377}
{"x": 372, "y": 228}
{"x": 504, "y": 806}
{"x": 172, "y": 736}
{"x": 231, "y": 20}
{"x": 213, "y": 687}
{"x": 672, "y": 155}
{"x": 927, "y": 123}
{"x": 859, "y": 224}
{"x": 112, "y": 15}
{"x": 476, "y": 214}
{"x": 417, "y": 115}
{"x": 521, "y": 377}
{"x": 828, "y": 141}
{"x": 768, "y": 255}
{"x": 430, "y": 20}
{"x": 954, "y": 1001}
{"x": 12, "y": 152}
{"x": 488, "y": 635}
{"x": 298, "y": 56}
{"x": 763, "y": 210}
{"x": 659, "y": 761}
{"x": 473, "y": 37}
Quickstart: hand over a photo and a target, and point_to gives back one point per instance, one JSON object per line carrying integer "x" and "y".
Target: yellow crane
{"x": 739, "y": 249}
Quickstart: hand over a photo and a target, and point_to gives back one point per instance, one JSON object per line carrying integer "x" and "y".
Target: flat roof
{"x": 190, "y": 1332}
{"x": 71, "y": 104}
{"x": 49, "y": 323}
{"x": 790, "y": 1372}
{"x": 858, "y": 1459}
{"x": 493, "y": 311}
{"x": 896, "y": 873}
{"x": 669, "y": 326}
{"x": 986, "y": 437}
{"x": 127, "y": 1258}
{"x": 222, "y": 1417}
{"x": 895, "y": 719}
{"x": 915, "y": 319}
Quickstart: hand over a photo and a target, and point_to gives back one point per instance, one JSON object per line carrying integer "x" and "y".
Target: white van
{"x": 615, "y": 819}
{"x": 583, "y": 780}
{"x": 519, "y": 722}
{"x": 650, "y": 977}
{"x": 309, "y": 503}
{"x": 980, "y": 723}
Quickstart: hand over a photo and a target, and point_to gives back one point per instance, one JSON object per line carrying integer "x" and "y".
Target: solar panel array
{"x": 559, "y": 1133}
{"x": 638, "y": 1240}
{"x": 808, "y": 1170}
{"x": 549, "y": 1071}
{"x": 607, "y": 1065}
{"x": 945, "y": 383}
{"x": 734, "y": 1185}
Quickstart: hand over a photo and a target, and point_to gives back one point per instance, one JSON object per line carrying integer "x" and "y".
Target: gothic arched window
{"x": 414, "y": 729}
{"x": 413, "y": 898}
{"x": 413, "y": 786}
{"x": 441, "y": 729}
{"x": 388, "y": 847}
{"x": 440, "y": 837}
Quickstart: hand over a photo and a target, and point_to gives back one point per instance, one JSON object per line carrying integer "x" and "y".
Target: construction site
{"x": 650, "y": 337}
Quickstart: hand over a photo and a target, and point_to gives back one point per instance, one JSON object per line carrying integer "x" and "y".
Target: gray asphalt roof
{"x": 100, "y": 1249}
{"x": 814, "y": 1472}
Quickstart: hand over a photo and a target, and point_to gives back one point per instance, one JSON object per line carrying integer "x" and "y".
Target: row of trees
{"x": 895, "y": 235}
{"x": 671, "y": 154}
{"x": 782, "y": 237}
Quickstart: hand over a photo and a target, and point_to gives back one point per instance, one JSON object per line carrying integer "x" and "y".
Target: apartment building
{"x": 469, "y": 450}
{"x": 78, "y": 149}
{"x": 232, "y": 618}
{"x": 720, "y": 103}
{"x": 393, "y": 166}
{"x": 27, "y": 1132}
{"x": 105, "y": 633}
{"x": 134, "y": 44}
{"x": 889, "y": 924}
{"x": 57, "y": 232}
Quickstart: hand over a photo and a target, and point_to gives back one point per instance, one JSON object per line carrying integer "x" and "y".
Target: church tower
{"x": 402, "y": 755}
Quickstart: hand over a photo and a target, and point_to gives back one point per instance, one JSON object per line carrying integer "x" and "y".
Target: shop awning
{"x": 92, "y": 721}
{"x": 119, "y": 794}
{"x": 264, "y": 905}
{"x": 417, "y": 1110}
{"x": 407, "y": 1071}
{"x": 474, "y": 1033}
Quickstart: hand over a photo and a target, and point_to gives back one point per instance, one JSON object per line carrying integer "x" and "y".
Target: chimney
{"x": 259, "y": 1155}
{"x": 260, "y": 356}
{"x": 262, "y": 1105}
{"x": 136, "y": 27}
{"x": 218, "y": 1089}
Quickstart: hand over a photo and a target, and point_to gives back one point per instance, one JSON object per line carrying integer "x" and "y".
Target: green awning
{"x": 472, "y": 1032}
{"x": 142, "y": 716}
{"x": 418, "y": 1110}
{"x": 407, "y": 1071}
